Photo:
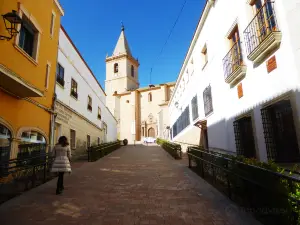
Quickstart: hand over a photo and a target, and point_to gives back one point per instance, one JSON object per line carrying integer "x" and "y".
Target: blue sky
{"x": 95, "y": 25}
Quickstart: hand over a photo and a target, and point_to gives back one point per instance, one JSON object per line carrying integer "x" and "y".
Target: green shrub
{"x": 172, "y": 148}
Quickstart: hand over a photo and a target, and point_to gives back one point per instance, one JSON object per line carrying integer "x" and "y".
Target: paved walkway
{"x": 133, "y": 185}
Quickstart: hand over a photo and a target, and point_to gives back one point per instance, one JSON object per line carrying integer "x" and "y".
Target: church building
{"x": 140, "y": 111}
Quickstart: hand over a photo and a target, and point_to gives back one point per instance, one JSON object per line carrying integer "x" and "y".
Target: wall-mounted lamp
{"x": 11, "y": 21}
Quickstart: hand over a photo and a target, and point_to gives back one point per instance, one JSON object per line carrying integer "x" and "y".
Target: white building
{"x": 82, "y": 114}
{"x": 240, "y": 79}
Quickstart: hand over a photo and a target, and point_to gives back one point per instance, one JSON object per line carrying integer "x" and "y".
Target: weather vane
{"x": 122, "y": 26}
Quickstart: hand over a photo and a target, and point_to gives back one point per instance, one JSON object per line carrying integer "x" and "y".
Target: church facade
{"x": 139, "y": 111}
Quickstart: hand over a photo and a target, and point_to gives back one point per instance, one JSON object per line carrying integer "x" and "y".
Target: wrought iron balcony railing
{"x": 233, "y": 59}
{"x": 263, "y": 24}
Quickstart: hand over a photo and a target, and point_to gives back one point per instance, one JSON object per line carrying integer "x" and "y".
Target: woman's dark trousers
{"x": 60, "y": 182}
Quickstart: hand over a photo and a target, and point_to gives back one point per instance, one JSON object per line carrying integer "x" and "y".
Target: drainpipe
{"x": 52, "y": 122}
{"x": 53, "y": 114}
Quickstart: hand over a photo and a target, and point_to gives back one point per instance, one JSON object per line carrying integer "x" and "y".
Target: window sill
{"x": 209, "y": 114}
{"x": 60, "y": 85}
{"x": 74, "y": 97}
{"x": 32, "y": 60}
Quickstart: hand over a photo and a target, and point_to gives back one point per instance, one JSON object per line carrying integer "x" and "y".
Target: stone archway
{"x": 151, "y": 132}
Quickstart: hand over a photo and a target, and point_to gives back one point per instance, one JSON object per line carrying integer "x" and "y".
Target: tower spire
{"x": 122, "y": 46}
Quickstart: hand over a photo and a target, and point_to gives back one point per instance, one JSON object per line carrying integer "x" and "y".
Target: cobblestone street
{"x": 133, "y": 185}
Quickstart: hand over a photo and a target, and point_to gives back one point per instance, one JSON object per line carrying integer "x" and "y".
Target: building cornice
{"x": 115, "y": 57}
{"x": 197, "y": 32}
{"x": 59, "y": 7}
{"x": 144, "y": 89}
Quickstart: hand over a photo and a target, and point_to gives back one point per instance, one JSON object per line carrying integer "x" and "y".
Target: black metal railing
{"x": 29, "y": 150}
{"x": 263, "y": 24}
{"x": 19, "y": 175}
{"x": 170, "y": 147}
{"x": 98, "y": 151}
{"x": 272, "y": 197}
{"x": 60, "y": 80}
{"x": 233, "y": 59}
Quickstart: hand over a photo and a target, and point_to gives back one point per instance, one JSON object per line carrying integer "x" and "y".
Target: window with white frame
{"x": 27, "y": 38}
{"x": 29, "y": 35}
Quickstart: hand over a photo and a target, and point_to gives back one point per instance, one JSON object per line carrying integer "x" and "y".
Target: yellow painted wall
{"x": 21, "y": 113}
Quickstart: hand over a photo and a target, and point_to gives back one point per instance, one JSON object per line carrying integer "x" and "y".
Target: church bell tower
{"x": 121, "y": 71}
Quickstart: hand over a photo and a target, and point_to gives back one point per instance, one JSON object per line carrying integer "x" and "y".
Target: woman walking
{"x": 61, "y": 164}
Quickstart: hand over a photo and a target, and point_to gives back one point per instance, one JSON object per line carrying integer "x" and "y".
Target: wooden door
{"x": 151, "y": 132}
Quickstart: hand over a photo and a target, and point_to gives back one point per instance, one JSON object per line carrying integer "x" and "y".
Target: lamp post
{"x": 11, "y": 21}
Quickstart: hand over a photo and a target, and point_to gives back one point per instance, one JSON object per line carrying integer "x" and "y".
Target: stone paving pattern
{"x": 133, "y": 185}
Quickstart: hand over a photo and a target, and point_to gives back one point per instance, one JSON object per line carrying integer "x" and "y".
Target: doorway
{"x": 151, "y": 132}
{"x": 205, "y": 138}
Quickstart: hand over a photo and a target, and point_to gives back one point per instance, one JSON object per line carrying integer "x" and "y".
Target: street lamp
{"x": 11, "y": 21}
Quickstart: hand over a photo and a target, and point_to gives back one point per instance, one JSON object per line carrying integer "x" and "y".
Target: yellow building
{"x": 27, "y": 74}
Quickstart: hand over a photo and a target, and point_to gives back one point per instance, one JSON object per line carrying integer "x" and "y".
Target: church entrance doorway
{"x": 151, "y": 132}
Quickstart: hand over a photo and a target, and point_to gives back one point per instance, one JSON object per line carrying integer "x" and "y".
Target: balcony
{"x": 234, "y": 69}
{"x": 262, "y": 36}
{"x": 16, "y": 85}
